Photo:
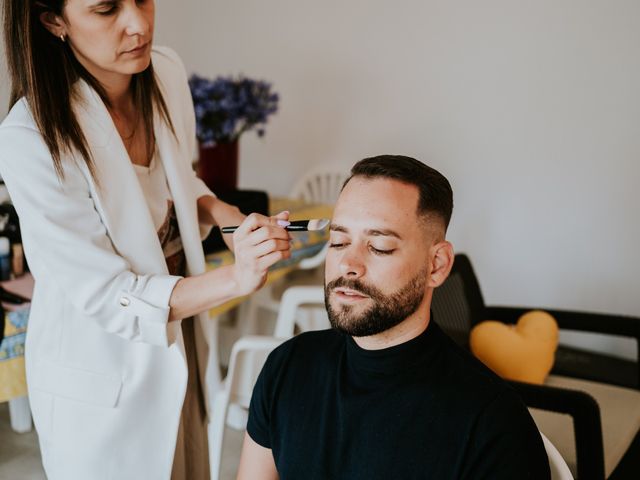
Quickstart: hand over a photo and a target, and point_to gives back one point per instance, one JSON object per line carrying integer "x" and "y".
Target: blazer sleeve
{"x": 67, "y": 244}
{"x": 188, "y": 118}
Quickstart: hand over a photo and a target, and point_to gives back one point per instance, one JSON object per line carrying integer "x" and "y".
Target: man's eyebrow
{"x": 105, "y": 3}
{"x": 372, "y": 232}
{"x": 382, "y": 232}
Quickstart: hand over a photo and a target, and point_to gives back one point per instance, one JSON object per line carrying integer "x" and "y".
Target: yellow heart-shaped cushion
{"x": 524, "y": 352}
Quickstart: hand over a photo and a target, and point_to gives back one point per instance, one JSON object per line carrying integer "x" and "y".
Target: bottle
{"x": 4, "y": 193}
{"x": 5, "y": 259}
{"x": 17, "y": 262}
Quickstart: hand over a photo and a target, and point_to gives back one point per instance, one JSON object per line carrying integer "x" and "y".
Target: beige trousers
{"x": 191, "y": 461}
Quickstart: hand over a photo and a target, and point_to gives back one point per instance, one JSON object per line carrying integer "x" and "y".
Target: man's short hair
{"x": 436, "y": 196}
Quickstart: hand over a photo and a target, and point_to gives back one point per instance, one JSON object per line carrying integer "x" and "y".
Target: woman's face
{"x": 110, "y": 36}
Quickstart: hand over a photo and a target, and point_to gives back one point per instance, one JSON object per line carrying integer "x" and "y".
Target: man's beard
{"x": 386, "y": 312}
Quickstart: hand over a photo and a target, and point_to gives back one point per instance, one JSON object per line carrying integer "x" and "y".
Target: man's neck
{"x": 406, "y": 330}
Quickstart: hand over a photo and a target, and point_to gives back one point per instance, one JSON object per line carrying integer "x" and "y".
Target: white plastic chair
{"x": 288, "y": 316}
{"x": 321, "y": 185}
{"x": 559, "y": 468}
{"x": 20, "y": 414}
{"x": 248, "y": 354}
{"x": 247, "y": 357}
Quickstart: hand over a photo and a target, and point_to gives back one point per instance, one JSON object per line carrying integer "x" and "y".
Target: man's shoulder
{"x": 310, "y": 344}
{"x": 306, "y": 349}
{"x": 471, "y": 375}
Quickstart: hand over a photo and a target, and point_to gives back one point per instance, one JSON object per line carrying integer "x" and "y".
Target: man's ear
{"x": 442, "y": 260}
{"x": 53, "y": 23}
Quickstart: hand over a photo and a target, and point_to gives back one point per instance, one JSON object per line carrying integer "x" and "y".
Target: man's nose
{"x": 352, "y": 264}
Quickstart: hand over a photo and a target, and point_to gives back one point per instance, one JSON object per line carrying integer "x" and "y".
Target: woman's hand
{"x": 259, "y": 242}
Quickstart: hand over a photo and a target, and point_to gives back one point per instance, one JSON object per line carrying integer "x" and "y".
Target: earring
{"x": 62, "y": 38}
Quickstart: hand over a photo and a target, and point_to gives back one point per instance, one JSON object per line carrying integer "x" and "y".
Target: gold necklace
{"x": 126, "y": 139}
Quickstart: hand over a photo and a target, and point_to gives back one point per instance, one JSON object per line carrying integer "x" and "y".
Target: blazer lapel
{"x": 174, "y": 156}
{"x": 118, "y": 197}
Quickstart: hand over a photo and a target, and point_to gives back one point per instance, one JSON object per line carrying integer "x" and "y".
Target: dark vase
{"x": 218, "y": 166}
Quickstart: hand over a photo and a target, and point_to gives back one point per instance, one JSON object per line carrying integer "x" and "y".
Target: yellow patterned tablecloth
{"x": 12, "y": 376}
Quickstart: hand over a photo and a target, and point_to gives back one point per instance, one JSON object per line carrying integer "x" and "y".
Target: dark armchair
{"x": 590, "y": 405}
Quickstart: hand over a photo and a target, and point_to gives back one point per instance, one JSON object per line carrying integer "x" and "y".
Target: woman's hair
{"x": 43, "y": 69}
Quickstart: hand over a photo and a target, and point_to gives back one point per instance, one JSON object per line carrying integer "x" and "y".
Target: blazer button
{"x": 124, "y": 301}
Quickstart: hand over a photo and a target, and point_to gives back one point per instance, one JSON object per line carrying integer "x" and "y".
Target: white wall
{"x": 531, "y": 109}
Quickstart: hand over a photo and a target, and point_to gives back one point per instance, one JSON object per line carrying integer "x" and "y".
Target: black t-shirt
{"x": 425, "y": 409}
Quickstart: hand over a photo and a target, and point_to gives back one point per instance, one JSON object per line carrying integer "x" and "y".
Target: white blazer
{"x": 106, "y": 372}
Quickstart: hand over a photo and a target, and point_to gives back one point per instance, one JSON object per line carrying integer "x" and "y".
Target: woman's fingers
{"x": 259, "y": 243}
{"x": 282, "y": 216}
{"x": 251, "y": 223}
{"x": 265, "y": 233}
{"x": 254, "y": 221}
{"x": 270, "y": 245}
{"x": 268, "y": 260}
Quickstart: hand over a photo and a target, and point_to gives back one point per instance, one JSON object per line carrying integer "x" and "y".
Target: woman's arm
{"x": 259, "y": 243}
{"x": 213, "y": 211}
{"x": 67, "y": 244}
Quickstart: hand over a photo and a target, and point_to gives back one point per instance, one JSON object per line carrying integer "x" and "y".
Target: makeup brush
{"x": 295, "y": 226}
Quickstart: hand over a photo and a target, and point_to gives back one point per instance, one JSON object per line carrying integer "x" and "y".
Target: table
{"x": 12, "y": 347}
{"x": 13, "y": 387}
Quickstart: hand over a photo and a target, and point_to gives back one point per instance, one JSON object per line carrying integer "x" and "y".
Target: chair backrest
{"x": 321, "y": 185}
{"x": 292, "y": 299}
{"x": 457, "y": 304}
{"x": 316, "y": 260}
{"x": 247, "y": 357}
{"x": 559, "y": 468}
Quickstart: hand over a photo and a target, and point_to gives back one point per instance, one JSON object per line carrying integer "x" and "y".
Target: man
{"x": 386, "y": 394}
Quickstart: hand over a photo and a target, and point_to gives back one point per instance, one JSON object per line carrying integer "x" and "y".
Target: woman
{"x": 96, "y": 153}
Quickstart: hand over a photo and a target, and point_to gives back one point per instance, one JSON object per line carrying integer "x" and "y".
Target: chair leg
{"x": 237, "y": 417}
{"x": 20, "y": 414}
{"x": 629, "y": 466}
{"x": 216, "y": 433}
{"x": 249, "y": 311}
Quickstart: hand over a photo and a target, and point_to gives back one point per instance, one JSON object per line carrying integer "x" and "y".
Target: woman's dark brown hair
{"x": 43, "y": 69}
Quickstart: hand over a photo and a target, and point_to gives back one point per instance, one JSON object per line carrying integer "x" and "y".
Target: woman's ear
{"x": 441, "y": 263}
{"x": 53, "y": 23}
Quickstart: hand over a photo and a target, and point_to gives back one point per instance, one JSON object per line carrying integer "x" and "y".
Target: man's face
{"x": 377, "y": 266}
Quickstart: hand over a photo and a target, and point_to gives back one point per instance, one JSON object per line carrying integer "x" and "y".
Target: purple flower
{"x": 226, "y": 107}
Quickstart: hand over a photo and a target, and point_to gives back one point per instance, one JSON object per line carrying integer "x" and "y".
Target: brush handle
{"x": 295, "y": 226}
